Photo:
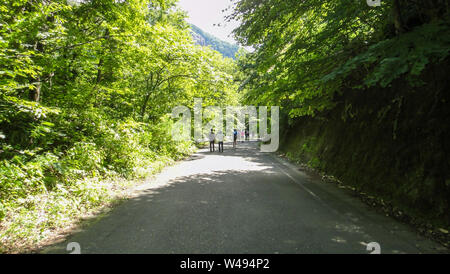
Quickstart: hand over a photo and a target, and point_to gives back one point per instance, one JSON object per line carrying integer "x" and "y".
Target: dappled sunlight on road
{"x": 242, "y": 201}
{"x": 243, "y": 159}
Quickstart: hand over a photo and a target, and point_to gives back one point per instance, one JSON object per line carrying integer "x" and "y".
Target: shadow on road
{"x": 232, "y": 202}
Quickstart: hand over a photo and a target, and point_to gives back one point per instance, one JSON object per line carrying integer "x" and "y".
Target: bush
{"x": 108, "y": 148}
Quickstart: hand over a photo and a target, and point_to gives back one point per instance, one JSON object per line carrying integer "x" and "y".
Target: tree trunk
{"x": 99, "y": 71}
{"x": 398, "y": 20}
{"x": 35, "y": 94}
{"x": 144, "y": 105}
{"x": 146, "y": 98}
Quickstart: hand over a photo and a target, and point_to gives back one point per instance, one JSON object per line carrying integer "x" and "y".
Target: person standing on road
{"x": 212, "y": 137}
{"x": 219, "y": 138}
{"x": 247, "y": 135}
{"x": 235, "y": 134}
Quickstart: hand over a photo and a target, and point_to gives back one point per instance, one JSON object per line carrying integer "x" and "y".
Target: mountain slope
{"x": 205, "y": 39}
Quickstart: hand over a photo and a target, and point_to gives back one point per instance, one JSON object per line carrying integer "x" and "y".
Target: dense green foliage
{"x": 367, "y": 83}
{"x": 86, "y": 88}
{"x": 205, "y": 39}
{"x": 307, "y": 51}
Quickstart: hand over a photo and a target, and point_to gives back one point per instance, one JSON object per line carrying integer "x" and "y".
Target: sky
{"x": 205, "y": 13}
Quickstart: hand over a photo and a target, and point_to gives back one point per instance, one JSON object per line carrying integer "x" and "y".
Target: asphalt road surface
{"x": 243, "y": 201}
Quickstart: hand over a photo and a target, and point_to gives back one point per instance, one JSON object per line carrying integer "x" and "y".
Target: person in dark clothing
{"x": 212, "y": 137}
{"x": 219, "y": 138}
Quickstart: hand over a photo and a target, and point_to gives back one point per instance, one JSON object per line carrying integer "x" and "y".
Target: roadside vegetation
{"x": 86, "y": 92}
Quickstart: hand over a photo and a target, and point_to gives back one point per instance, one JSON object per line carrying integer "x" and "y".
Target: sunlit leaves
{"x": 308, "y": 50}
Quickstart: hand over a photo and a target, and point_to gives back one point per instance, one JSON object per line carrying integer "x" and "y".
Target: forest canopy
{"x": 309, "y": 51}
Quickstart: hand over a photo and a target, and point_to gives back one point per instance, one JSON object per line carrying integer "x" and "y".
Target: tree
{"x": 308, "y": 51}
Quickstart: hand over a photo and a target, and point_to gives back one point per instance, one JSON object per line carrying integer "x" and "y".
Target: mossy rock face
{"x": 400, "y": 153}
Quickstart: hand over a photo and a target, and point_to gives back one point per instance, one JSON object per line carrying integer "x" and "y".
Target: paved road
{"x": 243, "y": 201}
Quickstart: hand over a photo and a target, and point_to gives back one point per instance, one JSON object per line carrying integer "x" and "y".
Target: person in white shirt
{"x": 219, "y": 138}
{"x": 212, "y": 136}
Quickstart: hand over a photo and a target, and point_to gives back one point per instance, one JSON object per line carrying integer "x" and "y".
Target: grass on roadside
{"x": 39, "y": 218}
